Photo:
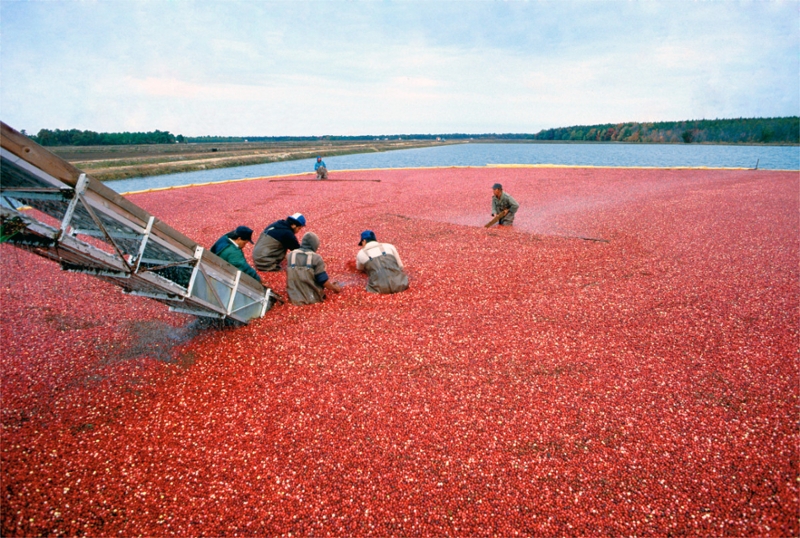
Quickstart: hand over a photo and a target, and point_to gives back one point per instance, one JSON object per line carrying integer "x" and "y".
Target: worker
{"x": 503, "y": 203}
{"x": 230, "y": 248}
{"x": 382, "y": 263}
{"x": 277, "y": 239}
{"x": 306, "y": 279}
{"x": 321, "y": 169}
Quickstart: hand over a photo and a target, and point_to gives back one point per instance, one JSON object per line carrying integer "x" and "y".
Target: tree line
{"x": 785, "y": 130}
{"x": 75, "y": 137}
{"x": 730, "y": 131}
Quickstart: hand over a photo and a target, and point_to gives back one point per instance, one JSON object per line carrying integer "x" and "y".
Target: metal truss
{"x": 88, "y": 228}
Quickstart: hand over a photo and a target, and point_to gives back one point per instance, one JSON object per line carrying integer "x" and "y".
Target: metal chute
{"x": 87, "y": 227}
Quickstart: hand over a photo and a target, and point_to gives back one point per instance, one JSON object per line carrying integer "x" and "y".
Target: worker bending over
{"x": 306, "y": 279}
{"x": 278, "y": 238}
{"x": 229, "y": 247}
{"x": 503, "y": 203}
{"x": 382, "y": 263}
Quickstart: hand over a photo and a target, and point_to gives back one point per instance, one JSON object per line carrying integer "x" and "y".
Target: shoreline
{"x": 130, "y": 162}
{"x": 112, "y": 163}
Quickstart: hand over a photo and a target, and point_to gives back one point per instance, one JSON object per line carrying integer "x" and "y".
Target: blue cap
{"x": 497, "y": 186}
{"x": 243, "y": 232}
{"x": 367, "y": 235}
{"x": 297, "y": 218}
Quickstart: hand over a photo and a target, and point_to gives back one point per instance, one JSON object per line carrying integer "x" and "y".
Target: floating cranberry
{"x": 621, "y": 362}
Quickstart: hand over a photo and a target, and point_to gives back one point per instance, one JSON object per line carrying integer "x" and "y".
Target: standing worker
{"x": 278, "y": 238}
{"x": 306, "y": 279}
{"x": 382, "y": 263}
{"x": 321, "y": 169}
{"x": 503, "y": 204}
{"x": 229, "y": 247}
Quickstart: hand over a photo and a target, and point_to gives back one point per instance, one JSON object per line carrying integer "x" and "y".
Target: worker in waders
{"x": 306, "y": 278}
{"x": 321, "y": 169}
{"x": 382, "y": 263}
{"x": 277, "y": 239}
{"x": 229, "y": 247}
{"x": 502, "y": 202}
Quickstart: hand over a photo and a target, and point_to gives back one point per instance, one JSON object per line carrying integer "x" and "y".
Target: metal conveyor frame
{"x": 94, "y": 230}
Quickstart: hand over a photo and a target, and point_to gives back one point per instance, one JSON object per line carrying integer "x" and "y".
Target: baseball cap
{"x": 243, "y": 232}
{"x": 298, "y": 218}
{"x": 367, "y": 235}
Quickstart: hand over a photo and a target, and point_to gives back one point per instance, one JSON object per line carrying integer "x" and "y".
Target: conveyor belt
{"x": 87, "y": 227}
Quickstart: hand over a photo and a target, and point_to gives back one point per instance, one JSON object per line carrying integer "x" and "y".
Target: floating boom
{"x": 94, "y": 230}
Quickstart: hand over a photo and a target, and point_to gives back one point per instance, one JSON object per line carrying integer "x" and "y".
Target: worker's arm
{"x": 323, "y": 280}
{"x": 250, "y": 271}
{"x": 393, "y": 252}
{"x": 234, "y": 256}
{"x": 333, "y": 286}
{"x": 321, "y": 277}
{"x": 361, "y": 259}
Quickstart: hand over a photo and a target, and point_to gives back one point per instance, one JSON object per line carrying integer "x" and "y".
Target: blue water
{"x": 474, "y": 154}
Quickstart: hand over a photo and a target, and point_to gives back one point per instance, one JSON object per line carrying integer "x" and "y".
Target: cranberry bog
{"x": 624, "y": 361}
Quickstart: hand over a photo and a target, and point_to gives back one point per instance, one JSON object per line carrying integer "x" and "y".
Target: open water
{"x": 478, "y": 154}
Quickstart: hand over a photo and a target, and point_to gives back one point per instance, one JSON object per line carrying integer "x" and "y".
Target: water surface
{"x": 478, "y": 154}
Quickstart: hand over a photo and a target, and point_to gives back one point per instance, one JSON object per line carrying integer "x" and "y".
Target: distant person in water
{"x": 322, "y": 170}
{"x": 230, "y": 248}
{"x": 503, "y": 203}
{"x": 278, "y": 238}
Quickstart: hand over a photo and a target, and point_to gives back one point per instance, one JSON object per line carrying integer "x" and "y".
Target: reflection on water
{"x": 475, "y": 154}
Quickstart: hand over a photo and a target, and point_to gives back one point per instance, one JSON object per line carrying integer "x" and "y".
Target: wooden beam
{"x": 28, "y": 150}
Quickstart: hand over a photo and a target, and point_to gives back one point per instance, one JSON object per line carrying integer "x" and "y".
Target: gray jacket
{"x": 505, "y": 202}
{"x": 305, "y": 273}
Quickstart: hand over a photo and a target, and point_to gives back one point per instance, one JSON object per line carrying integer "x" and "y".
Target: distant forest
{"x": 74, "y": 137}
{"x": 728, "y": 131}
{"x": 733, "y": 131}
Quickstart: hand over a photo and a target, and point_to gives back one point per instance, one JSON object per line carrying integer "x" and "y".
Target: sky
{"x": 311, "y": 68}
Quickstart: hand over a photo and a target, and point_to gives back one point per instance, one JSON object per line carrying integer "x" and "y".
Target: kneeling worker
{"x": 503, "y": 203}
{"x": 306, "y": 279}
{"x": 321, "y": 169}
{"x": 278, "y": 238}
{"x": 229, "y": 247}
{"x": 382, "y": 263}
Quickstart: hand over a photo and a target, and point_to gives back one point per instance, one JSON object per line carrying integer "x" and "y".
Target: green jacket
{"x": 232, "y": 254}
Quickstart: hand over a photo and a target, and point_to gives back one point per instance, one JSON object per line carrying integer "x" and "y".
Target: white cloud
{"x": 360, "y": 68}
{"x": 179, "y": 89}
